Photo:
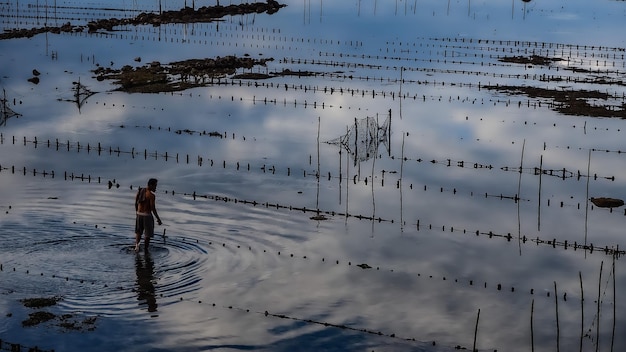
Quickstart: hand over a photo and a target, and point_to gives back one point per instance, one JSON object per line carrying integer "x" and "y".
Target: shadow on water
{"x": 144, "y": 267}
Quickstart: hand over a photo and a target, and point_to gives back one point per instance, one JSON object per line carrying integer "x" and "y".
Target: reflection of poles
{"x": 321, "y": 9}
{"x": 356, "y": 145}
{"x": 518, "y": 200}
{"x": 582, "y": 310}
{"x": 587, "y": 197}
{"x": 614, "y": 304}
{"x": 347, "y": 176}
{"x": 400, "y": 184}
{"x": 476, "y": 330}
{"x": 373, "y": 167}
{"x": 512, "y": 8}
{"x": 317, "y": 198}
{"x": 389, "y": 135}
{"x": 400, "y": 95}
{"x": 598, "y": 311}
{"x": 539, "y": 198}
{"x": 558, "y": 330}
{"x": 340, "y": 173}
{"x": 532, "y": 334}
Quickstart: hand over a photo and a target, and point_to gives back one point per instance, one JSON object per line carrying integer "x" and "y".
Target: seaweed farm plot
{"x": 362, "y": 176}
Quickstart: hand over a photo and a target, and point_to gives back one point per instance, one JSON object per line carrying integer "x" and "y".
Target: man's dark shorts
{"x": 144, "y": 223}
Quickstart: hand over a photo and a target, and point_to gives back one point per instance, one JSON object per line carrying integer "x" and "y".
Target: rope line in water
{"x": 313, "y": 321}
{"x": 350, "y": 263}
{"x": 448, "y": 162}
{"x": 71, "y": 176}
{"x": 537, "y": 240}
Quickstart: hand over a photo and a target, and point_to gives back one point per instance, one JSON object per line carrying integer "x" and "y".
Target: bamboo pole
{"x": 539, "y": 198}
{"x": 558, "y": 330}
{"x": 518, "y": 198}
{"x": 476, "y": 331}
{"x": 532, "y": 334}
{"x": 582, "y": 311}
{"x": 587, "y": 195}
{"x": 614, "y": 304}
{"x": 598, "y": 310}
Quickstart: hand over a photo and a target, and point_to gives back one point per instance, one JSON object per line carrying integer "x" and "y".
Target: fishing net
{"x": 363, "y": 138}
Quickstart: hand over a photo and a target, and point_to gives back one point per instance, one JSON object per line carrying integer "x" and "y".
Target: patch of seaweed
{"x": 530, "y": 60}
{"x": 40, "y": 302}
{"x": 605, "y": 202}
{"x": 176, "y": 76}
{"x": 568, "y": 102}
{"x": 37, "y": 318}
{"x": 68, "y": 322}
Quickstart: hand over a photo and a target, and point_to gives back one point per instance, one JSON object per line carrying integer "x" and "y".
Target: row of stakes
{"x": 596, "y": 63}
{"x": 584, "y": 59}
{"x": 473, "y": 73}
{"x": 557, "y": 173}
{"x": 225, "y": 135}
{"x": 560, "y": 50}
{"x": 15, "y": 347}
{"x": 363, "y": 266}
{"x": 561, "y": 173}
{"x": 321, "y": 215}
{"x": 88, "y": 178}
{"x": 576, "y": 57}
{"x": 480, "y": 42}
{"x": 529, "y": 44}
{"x": 533, "y": 103}
{"x": 478, "y": 51}
{"x": 277, "y": 42}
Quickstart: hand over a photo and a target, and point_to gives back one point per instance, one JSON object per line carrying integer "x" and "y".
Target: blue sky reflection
{"x": 456, "y": 227}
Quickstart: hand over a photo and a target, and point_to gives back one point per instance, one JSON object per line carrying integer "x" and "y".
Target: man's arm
{"x": 153, "y": 208}
{"x": 137, "y": 199}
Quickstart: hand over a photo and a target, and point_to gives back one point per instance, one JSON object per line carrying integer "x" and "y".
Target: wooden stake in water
{"x": 476, "y": 330}
{"x": 587, "y": 197}
{"x": 598, "y": 311}
{"x": 532, "y": 334}
{"x": 558, "y": 330}
{"x": 582, "y": 311}
{"x": 539, "y": 198}
{"x": 614, "y": 304}
{"x": 518, "y": 198}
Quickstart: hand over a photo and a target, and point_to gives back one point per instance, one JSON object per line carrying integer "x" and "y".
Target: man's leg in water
{"x": 148, "y": 231}
{"x": 137, "y": 240}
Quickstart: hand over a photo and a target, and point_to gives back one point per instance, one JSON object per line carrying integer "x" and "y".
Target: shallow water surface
{"x": 419, "y": 180}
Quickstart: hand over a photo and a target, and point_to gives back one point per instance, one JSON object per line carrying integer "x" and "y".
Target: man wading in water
{"x": 145, "y": 206}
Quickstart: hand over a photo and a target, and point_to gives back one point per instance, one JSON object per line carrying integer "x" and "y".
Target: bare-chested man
{"x": 145, "y": 207}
